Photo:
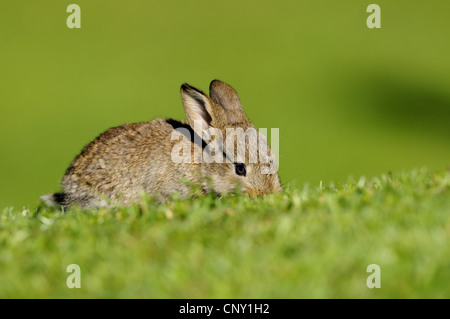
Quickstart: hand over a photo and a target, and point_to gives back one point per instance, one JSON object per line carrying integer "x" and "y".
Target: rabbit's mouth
{"x": 254, "y": 192}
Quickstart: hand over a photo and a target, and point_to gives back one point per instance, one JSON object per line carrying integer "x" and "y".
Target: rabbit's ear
{"x": 194, "y": 102}
{"x": 224, "y": 95}
{"x": 200, "y": 109}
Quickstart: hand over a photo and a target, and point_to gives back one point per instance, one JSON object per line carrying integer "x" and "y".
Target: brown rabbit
{"x": 126, "y": 161}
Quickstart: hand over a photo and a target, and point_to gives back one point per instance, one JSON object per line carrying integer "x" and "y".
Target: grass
{"x": 313, "y": 242}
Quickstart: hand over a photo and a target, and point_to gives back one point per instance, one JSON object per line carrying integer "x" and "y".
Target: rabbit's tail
{"x": 54, "y": 200}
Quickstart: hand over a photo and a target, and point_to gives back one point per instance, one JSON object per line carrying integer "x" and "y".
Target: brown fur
{"x": 126, "y": 161}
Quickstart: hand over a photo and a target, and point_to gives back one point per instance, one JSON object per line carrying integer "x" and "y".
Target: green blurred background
{"x": 348, "y": 100}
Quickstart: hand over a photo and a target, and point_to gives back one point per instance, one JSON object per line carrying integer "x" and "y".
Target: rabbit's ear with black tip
{"x": 200, "y": 109}
{"x": 227, "y": 97}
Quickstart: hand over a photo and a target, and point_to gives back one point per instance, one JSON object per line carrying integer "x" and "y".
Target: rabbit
{"x": 126, "y": 161}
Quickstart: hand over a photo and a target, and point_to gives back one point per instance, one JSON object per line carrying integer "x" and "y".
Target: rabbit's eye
{"x": 240, "y": 169}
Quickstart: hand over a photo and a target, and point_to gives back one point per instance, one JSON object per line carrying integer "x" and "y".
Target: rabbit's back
{"x": 122, "y": 163}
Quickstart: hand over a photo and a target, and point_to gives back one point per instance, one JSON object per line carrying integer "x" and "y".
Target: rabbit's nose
{"x": 277, "y": 189}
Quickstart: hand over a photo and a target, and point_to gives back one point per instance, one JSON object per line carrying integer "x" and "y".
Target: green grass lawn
{"x": 312, "y": 242}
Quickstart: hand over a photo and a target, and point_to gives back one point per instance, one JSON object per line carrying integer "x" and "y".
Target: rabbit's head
{"x": 235, "y": 155}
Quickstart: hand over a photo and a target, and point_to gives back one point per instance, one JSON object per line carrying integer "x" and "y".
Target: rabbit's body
{"x": 126, "y": 161}
{"x": 122, "y": 163}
